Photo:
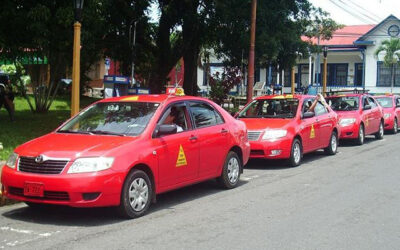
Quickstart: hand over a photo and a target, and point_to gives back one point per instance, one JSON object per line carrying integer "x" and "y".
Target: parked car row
{"x": 125, "y": 151}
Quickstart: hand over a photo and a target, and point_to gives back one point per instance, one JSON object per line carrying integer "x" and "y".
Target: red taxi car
{"x": 284, "y": 127}
{"x": 359, "y": 115}
{"x": 391, "y": 111}
{"x": 124, "y": 151}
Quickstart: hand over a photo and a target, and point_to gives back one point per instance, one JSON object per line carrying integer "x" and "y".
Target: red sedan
{"x": 391, "y": 110}
{"x": 124, "y": 151}
{"x": 285, "y": 127}
{"x": 359, "y": 115}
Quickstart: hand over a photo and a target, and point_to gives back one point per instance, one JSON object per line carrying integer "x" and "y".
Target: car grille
{"x": 257, "y": 152}
{"x": 48, "y": 195}
{"x": 253, "y": 135}
{"x": 28, "y": 164}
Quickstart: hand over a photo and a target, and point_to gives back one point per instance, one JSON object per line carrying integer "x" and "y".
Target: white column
{"x": 277, "y": 75}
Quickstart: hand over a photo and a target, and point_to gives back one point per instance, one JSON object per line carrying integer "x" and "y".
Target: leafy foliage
{"x": 221, "y": 84}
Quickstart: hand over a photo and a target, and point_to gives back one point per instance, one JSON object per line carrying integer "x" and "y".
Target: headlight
{"x": 94, "y": 164}
{"x": 274, "y": 134}
{"x": 347, "y": 121}
{"x": 12, "y": 160}
{"x": 386, "y": 116}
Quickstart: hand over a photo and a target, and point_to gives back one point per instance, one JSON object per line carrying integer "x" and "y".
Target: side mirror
{"x": 165, "y": 129}
{"x": 308, "y": 114}
{"x": 366, "y": 107}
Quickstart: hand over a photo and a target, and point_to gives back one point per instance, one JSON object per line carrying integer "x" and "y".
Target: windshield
{"x": 343, "y": 103}
{"x": 385, "y": 102}
{"x": 271, "y": 108}
{"x": 112, "y": 118}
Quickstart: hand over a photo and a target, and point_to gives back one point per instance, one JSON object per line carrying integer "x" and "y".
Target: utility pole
{"x": 133, "y": 44}
{"x": 250, "y": 76}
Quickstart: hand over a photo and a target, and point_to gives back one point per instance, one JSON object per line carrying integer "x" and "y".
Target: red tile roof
{"x": 345, "y": 36}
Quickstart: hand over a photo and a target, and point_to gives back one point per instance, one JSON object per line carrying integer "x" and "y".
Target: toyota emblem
{"x": 39, "y": 159}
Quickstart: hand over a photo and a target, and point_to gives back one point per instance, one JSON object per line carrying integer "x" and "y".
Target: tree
{"x": 391, "y": 48}
{"x": 221, "y": 84}
{"x": 42, "y": 30}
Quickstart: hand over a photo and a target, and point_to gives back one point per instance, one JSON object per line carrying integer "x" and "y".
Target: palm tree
{"x": 392, "y": 49}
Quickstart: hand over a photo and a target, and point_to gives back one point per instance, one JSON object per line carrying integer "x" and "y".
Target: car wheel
{"x": 231, "y": 171}
{"x": 361, "y": 135}
{"x": 136, "y": 195}
{"x": 296, "y": 153}
{"x": 332, "y": 147}
{"x": 395, "y": 126}
{"x": 381, "y": 131}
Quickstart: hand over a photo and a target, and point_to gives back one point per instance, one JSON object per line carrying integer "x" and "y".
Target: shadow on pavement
{"x": 267, "y": 164}
{"x": 90, "y": 217}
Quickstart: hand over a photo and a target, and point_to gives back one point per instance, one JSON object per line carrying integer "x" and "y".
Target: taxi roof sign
{"x": 178, "y": 91}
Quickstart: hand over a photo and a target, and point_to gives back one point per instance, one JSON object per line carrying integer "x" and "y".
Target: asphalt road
{"x": 347, "y": 201}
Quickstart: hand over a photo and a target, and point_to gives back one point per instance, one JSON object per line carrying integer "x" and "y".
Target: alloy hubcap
{"x": 381, "y": 130}
{"x": 138, "y": 194}
{"x": 361, "y": 135}
{"x": 334, "y": 142}
{"x": 395, "y": 126}
{"x": 233, "y": 170}
{"x": 296, "y": 152}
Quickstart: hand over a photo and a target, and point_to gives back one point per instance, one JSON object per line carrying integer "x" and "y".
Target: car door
{"x": 178, "y": 153}
{"x": 309, "y": 128}
{"x": 212, "y": 132}
{"x": 397, "y": 106}
{"x": 325, "y": 124}
{"x": 367, "y": 117}
{"x": 375, "y": 113}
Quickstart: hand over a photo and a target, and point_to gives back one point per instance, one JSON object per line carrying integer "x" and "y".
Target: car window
{"x": 176, "y": 114}
{"x": 343, "y": 103}
{"x": 320, "y": 109}
{"x": 372, "y": 102}
{"x": 271, "y": 108}
{"x": 397, "y": 101}
{"x": 204, "y": 115}
{"x": 307, "y": 104}
{"x": 385, "y": 102}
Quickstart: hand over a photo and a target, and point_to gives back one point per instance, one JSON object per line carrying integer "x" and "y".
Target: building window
{"x": 384, "y": 75}
{"x": 337, "y": 74}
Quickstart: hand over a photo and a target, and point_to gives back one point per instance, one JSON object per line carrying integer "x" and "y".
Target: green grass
{"x": 28, "y": 125}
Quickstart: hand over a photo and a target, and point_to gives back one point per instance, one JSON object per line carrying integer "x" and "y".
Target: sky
{"x": 355, "y": 12}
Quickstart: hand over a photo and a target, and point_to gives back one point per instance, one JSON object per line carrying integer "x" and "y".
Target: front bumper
{"x": 98, "y": 189}
{"x": 349, "y": 132}
{"x": 279, "y": 149}
{"x": 389, "y": 123}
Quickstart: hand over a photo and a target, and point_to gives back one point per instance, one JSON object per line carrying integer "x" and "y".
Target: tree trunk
{"x": 392, "y": 82}
{"x": 190, "y": 59}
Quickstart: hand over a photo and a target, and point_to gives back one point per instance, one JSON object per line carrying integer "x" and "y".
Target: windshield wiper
{"x": 102, "y": 132}
{"x": 75, "y": 132}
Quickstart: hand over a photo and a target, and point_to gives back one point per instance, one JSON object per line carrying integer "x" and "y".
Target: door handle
{"x": 193, "y": 138}
{"x": 224, "y": 131}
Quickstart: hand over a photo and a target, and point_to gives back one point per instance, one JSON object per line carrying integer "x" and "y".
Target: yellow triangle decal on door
{"x": 181, "y": 161}
{"x": 312, "y": 133}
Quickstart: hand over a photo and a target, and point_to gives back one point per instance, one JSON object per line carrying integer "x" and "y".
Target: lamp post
{"x": 133, "y": 44}
{"x": 325, "y": 50}
{"x": 76, "y": 58}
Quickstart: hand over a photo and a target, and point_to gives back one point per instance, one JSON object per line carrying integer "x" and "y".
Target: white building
{"x": 351, "y": 61}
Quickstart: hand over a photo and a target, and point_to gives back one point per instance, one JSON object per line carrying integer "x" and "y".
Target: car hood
{"x": 265, "y": 123}
{"x": 348, "y": 114}
{"x": 71, "y": 146}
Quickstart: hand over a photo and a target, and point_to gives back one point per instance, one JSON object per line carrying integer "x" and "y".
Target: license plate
{"x": 33, "y": 189}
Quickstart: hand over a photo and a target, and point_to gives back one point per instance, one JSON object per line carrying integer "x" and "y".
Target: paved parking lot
{"x": 347, "y": 201}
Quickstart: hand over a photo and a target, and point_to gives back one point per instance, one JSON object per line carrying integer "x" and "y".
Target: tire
{"x": 296, "y": 153}
{"x": 136, "y": 195}
{"x": 381, "y": 131}
{"x": 230, "y": 175}
{"x": 333, "y": 143}
{"x": 361, "y": 135}
{"x": 395, "y": 126}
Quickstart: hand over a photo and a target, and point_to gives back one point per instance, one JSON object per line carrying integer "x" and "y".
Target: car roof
{"x": 151, "y": 98}
{"x": 284, "y": 96}
{"x": 349, "y": 95}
